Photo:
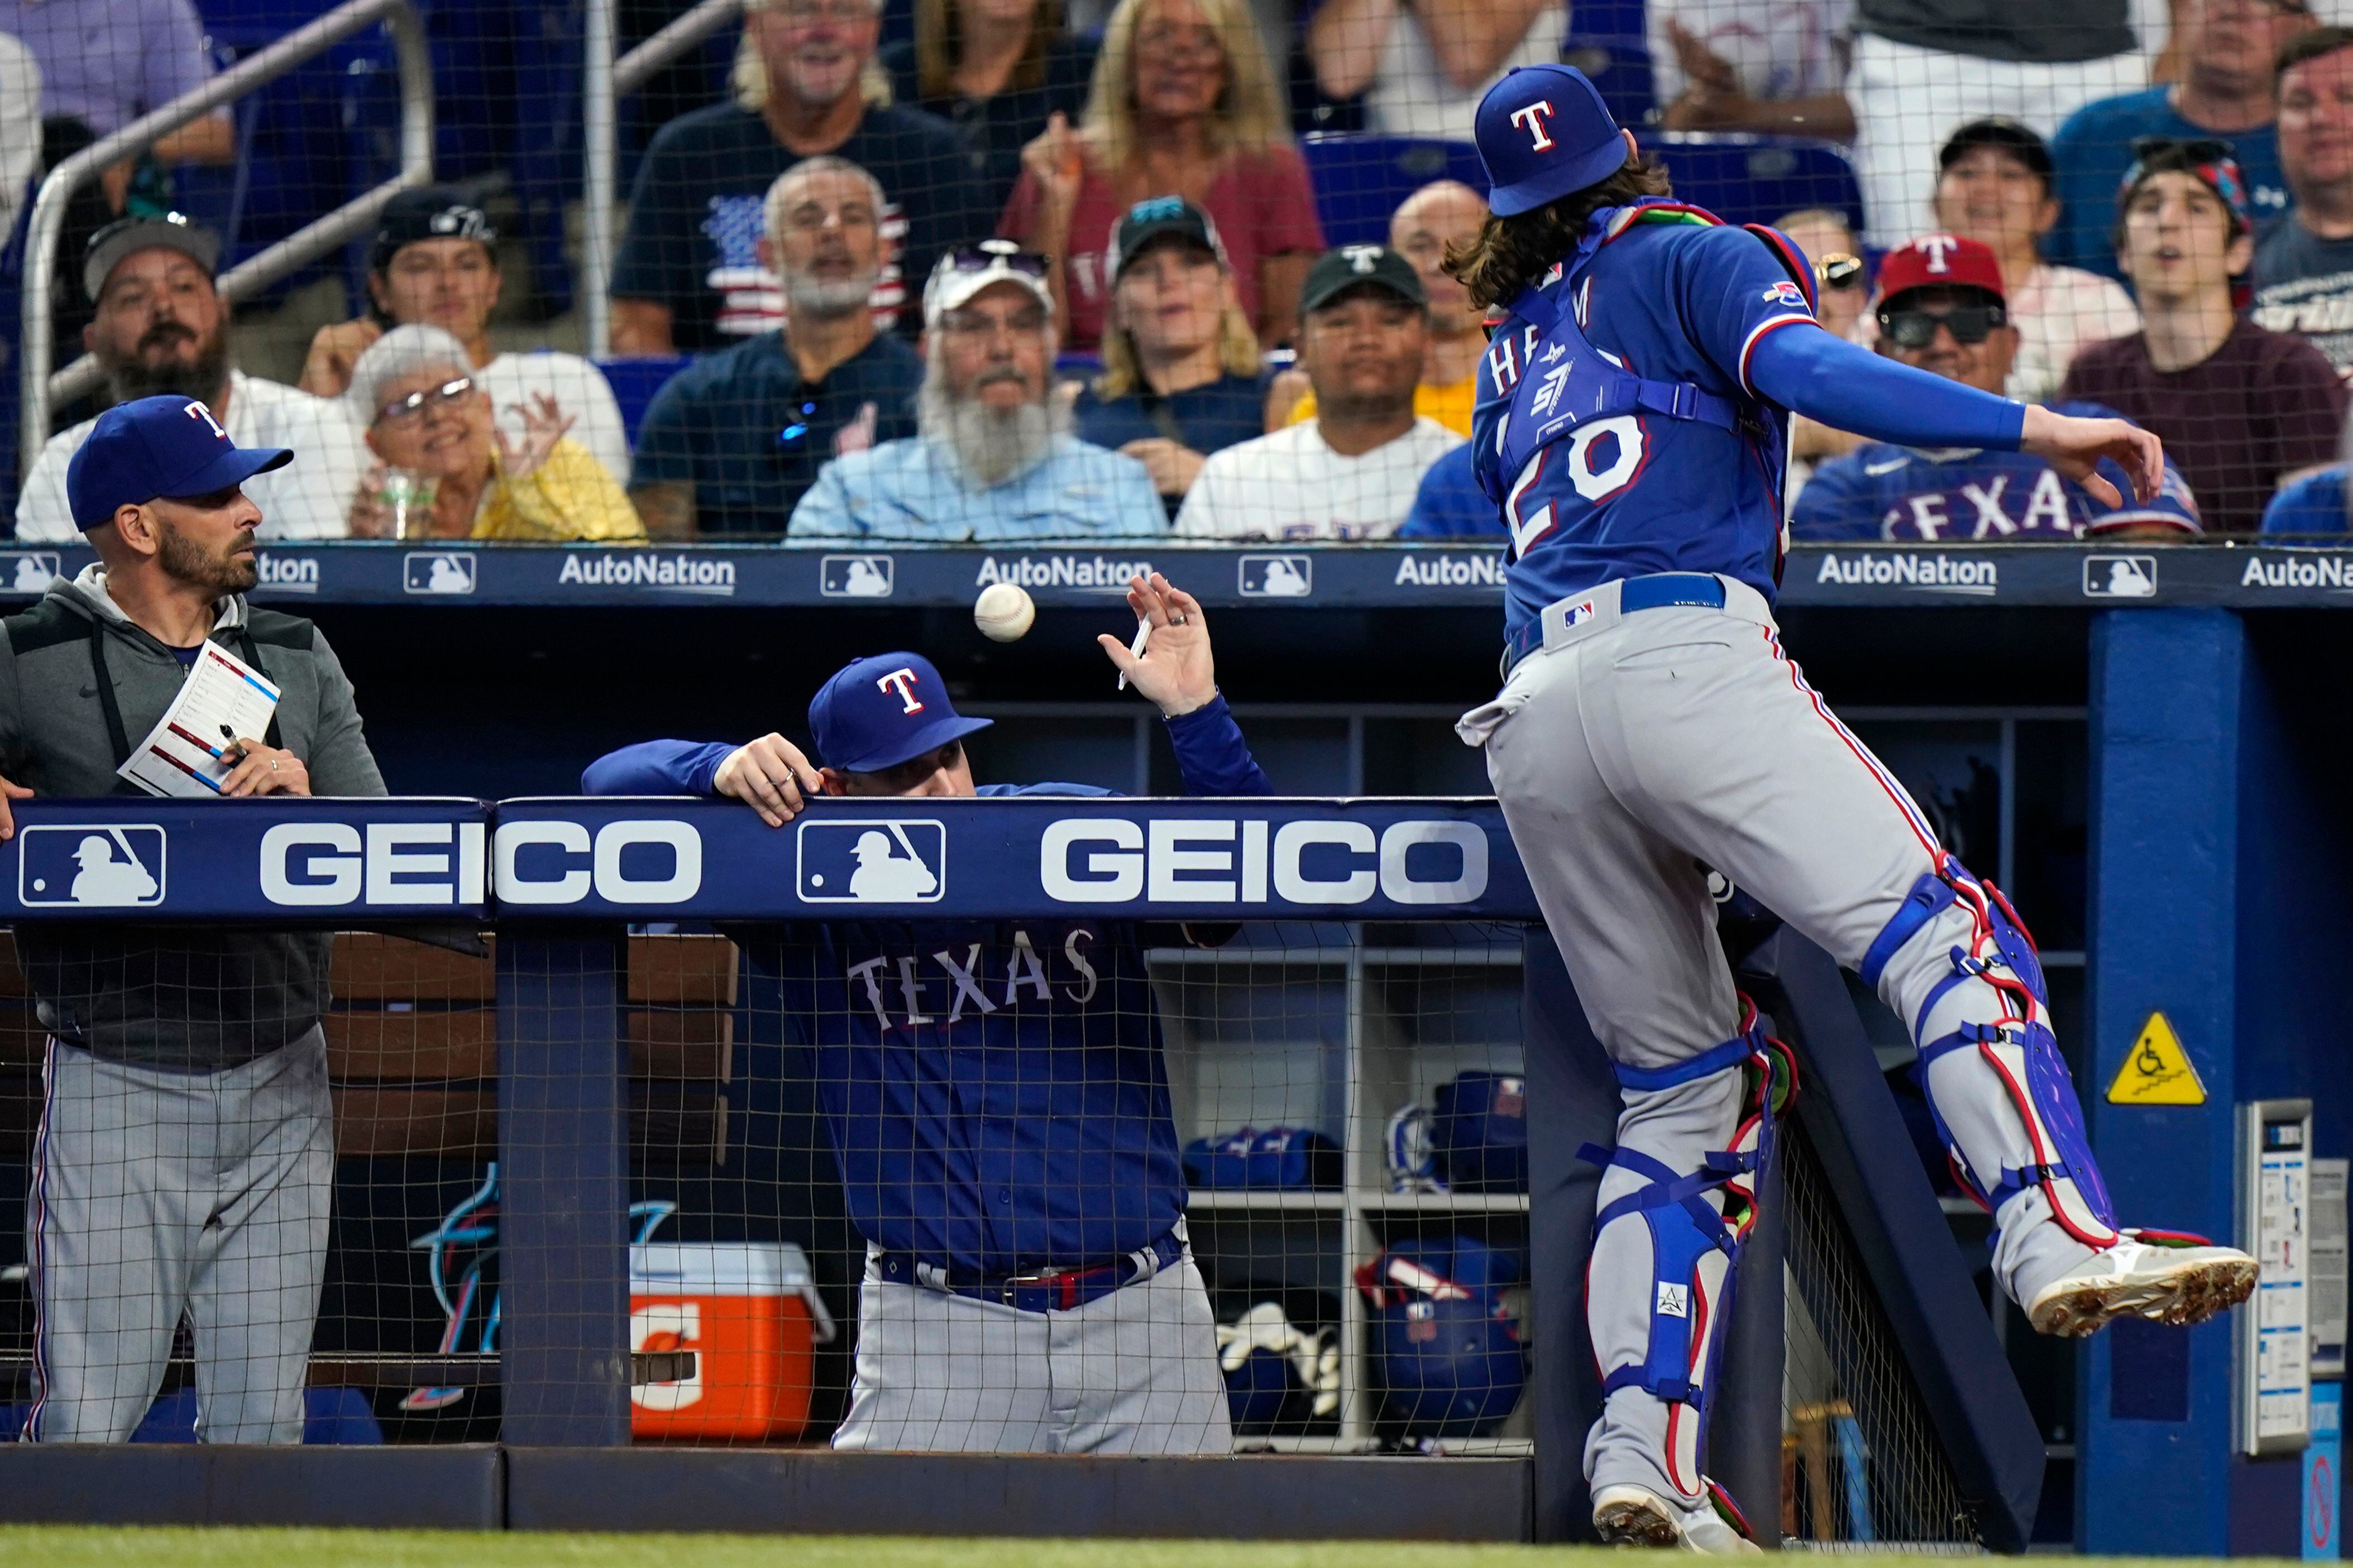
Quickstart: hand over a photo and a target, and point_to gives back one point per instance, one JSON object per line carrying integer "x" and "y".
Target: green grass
{"x": 65, "y": 1547}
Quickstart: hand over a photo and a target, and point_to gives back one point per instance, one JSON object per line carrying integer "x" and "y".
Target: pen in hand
{"x": 1135, "y": 650}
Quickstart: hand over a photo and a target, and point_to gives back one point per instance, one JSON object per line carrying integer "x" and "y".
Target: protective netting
{"x": 1286, "y": 1209}
{"x": 1862, "y": 1467}
{"x": 1169, "y": 173}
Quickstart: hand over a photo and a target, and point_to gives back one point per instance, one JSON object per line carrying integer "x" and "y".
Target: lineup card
{"x": 187, "y": 752}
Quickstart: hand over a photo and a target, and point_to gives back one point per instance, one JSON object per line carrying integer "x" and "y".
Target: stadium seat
{"x": 635, "y": 379}
{"x": 1360, "y": 180}
{"x": 1756, "y": 179}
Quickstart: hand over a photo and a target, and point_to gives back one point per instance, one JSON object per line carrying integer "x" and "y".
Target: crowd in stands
{"x": 888, "y": 264}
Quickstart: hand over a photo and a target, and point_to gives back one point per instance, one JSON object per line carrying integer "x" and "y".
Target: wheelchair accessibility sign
{"x": 2157, "y": 1071}
{"x": 875, "y": 862}
{"x": 100, "y": 866}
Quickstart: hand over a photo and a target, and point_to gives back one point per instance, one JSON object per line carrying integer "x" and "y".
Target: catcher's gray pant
{"x": 158, "y": 1193}
{"x": 1629, "y": 752}
{"x": 1135, "y": 1372}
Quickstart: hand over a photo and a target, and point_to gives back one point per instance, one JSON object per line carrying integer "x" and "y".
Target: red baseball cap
{"x": 1940, "y": 261}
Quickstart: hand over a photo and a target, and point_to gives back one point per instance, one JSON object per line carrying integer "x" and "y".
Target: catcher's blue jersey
{"x": 1671, "y": 295}
{"x": 1880, "y": 491}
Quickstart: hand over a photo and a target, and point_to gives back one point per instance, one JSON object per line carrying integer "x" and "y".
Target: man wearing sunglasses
{"x": 993, "y": 460}
{"x": 1941, "y": 309}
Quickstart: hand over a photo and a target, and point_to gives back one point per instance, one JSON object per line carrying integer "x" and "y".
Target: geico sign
{"x": 407, "y": 864}
{"x": 555, "y": 875}
{"x": 1107, "y": 860}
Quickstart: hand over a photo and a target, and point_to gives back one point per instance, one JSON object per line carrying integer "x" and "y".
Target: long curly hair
{"x": 1508, "y": 254}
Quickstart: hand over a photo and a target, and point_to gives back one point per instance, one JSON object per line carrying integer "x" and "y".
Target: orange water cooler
{"x": 751, "y": 1312}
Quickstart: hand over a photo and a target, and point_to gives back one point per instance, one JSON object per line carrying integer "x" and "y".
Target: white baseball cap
{"x": 966, "y": 270}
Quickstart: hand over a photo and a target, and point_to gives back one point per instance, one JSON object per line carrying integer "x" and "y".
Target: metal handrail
{"x": 41, "y": 388}
{"x": 603, "y": 81}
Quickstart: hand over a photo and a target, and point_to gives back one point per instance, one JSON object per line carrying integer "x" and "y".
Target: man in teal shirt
{"x": 2227, "y": 48}
{"x": 993, "y": 460}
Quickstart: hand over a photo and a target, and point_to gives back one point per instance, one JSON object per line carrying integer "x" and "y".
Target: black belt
{"x": 1048, "y": 1291}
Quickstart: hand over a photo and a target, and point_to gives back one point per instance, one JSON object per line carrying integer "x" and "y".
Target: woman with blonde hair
{"x": 998, "y": 70}
{"x": 1183, "y": 104}
{"x": 1181, "y": 376}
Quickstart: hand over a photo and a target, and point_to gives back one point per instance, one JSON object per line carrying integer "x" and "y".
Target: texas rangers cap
{"x": 429, "y": 212}
{"x": 966, "y": 270}
{"x": 1158, "y": 218}
{"x": 1940, "y": 261}
{"x": 1543, "y": 131}
{"x": 167, "y": 446}
{"x": 1338, "y": 271}
{"x": 884, "y": 711}
{"x": 125, "y": 236}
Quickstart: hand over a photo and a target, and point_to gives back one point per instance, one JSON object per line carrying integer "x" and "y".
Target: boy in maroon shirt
{"x": 2240, "y": 408}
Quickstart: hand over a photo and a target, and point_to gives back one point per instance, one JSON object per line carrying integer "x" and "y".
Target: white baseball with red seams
{"x": 1004, "y": 612}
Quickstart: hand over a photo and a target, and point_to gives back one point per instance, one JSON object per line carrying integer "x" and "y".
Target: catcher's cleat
{"x": 2163, "y": 1276}
{"x": 1637, "y": 1516}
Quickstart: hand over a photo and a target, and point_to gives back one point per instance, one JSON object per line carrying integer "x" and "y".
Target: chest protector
{"x": 1555, "y": 380}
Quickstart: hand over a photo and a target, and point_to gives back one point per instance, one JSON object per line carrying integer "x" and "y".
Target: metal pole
{"x": 600, "y": 134}
{"x": 602, "y": 84}
{"x": 36, "y": 386}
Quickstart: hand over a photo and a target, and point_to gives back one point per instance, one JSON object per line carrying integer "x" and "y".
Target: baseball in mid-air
{"x": 1004, "y": 612}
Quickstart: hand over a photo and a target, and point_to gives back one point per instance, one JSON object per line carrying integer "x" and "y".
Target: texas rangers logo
{"x": 1785, "y": 292}
{"x": 1532, "y": 120}
{"x": 198, "y": 411}
{"x": 1361, "y": 256}
{"x": 904, "y": 682}
{"x": 1937, "y": 248}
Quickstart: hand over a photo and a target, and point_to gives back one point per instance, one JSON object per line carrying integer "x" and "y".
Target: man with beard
{"x": 161, "y": 330}
{"x": 732, "y": 443}
{"x": 993, "y": 460}
{"x": 186, "y": 1140}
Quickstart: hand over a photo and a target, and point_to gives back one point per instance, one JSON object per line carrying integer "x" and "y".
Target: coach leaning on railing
{"x": 186, "y": 1139}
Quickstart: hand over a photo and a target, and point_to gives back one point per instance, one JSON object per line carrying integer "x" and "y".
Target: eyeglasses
{"x": 409, "y": 408}
{"x": 1838, "y": 270}
{"x": 1918, "y": 329}
{"x": 996, "y": 253}
{"x": 1026, "y": 323}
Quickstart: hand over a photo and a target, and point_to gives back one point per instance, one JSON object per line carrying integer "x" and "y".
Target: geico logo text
{"x": 1108, "y": 860}
{"x": 314, "y": 864}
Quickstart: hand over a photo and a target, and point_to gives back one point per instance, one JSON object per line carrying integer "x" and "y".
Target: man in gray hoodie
{"x": 185, "y": 1149}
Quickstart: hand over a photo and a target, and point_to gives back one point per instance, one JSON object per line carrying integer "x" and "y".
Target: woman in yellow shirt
{"x": 445, "y": 471}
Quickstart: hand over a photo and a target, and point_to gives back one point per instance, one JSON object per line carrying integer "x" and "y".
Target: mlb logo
{"x": 871, "y": 862}
{"x": 1785, "y": 292}
{"x": 857, "y": 577}
{"x": 31, "y": 573}
{"x": 1674, "y": 1301}
{"x": 1277, "y": 576}
{"x": 437, "y": 571}
{"x": 1577, "y": 613}
{"x": 103, "y": 866}
{"x": 2120, "y": 576}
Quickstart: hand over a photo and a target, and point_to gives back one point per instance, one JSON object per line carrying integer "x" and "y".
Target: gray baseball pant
{"x": 1627, "y": 753}
{"x": 155, "y": 1193}
{"x": 1135, "y": 1372}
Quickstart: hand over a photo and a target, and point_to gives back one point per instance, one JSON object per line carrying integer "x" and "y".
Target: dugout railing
{"x": 555, "y": 982}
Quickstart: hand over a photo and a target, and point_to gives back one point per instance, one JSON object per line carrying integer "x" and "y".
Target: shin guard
{"x": 2016, "y": 1042}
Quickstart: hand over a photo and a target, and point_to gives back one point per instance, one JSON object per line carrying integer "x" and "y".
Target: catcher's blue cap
{"x": 884, "y": 711}
{"x": 1543, "y": 131}
{"x": 152, "y": 446}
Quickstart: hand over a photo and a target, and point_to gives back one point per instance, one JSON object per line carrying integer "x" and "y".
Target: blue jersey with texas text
{"x": 1670, "y": 294}
{"x": 1883, "y": 491}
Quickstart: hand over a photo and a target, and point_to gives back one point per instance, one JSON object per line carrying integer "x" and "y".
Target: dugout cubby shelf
{"x": 1335, "y": 1029}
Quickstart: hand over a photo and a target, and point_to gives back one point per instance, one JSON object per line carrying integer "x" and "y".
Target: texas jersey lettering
{"x": 1879, "y": 491}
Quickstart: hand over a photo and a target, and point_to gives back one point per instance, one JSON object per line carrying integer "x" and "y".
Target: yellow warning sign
{"x": 2158, "y": 1071}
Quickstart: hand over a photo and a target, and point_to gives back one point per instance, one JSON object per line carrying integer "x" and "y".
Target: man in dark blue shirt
{"x": 689, "y": 279}
{"x": 731, "y": 442}
{"x": 993, "y": 1091}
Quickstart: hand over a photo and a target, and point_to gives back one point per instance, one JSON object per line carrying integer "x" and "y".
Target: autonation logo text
{"x": 1086, "y": 573}
{"x": 1932, "y": 573}
{"x": 1481, "y": 571}
{"x": 2332, "y": 572}
{"x": 681, "y": 573}
{"x": 287, "y": 573}
{"x": 1111, "y": 860}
